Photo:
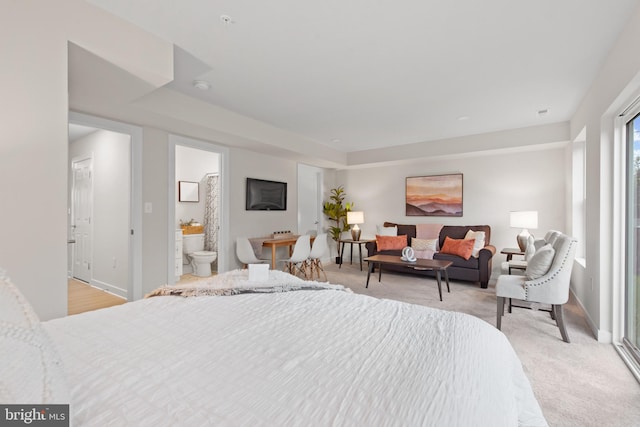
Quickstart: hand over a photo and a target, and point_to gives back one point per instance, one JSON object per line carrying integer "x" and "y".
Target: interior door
{"x": 82, "y": 196}
{"x": 309, "y": 199}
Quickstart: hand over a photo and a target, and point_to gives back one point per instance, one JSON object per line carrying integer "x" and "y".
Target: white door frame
{"x": 223, "y": 234}
{"x": 134, "y": 287}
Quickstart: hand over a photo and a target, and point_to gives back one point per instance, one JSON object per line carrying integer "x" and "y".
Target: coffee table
{"x": 436, "y": 265}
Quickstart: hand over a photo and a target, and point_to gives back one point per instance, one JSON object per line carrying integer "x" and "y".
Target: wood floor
{"x": 83, "y": 297}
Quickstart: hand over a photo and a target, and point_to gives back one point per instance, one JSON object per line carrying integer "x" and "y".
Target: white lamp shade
{"x": 523, "y": 219}
{"x": 355, "y": 217}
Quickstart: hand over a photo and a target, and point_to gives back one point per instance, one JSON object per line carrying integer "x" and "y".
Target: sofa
{"x": 476, "y": 269}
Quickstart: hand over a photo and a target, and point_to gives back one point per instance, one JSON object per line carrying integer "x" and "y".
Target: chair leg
{"x": 500, "y": 312}
{"x": 320, "y": 268}
{"x": 557, "y": 308}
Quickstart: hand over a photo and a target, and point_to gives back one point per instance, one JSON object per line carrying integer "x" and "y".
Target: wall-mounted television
{"x": 263, "y": 195}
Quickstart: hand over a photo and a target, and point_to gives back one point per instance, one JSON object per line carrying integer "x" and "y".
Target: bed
{"x": 285, "y": 352}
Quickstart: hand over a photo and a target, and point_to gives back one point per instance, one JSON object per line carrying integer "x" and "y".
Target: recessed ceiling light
{"x": 201, "y": 84}
{"x": 463, "y": 118}
{"x": 226, "y": 20}
{"x": 543, "y": 112}
{"x": 335, "y": 140}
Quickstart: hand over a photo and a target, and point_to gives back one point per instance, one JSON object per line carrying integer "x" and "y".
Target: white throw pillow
{"x": 30, "y": 367}
{"x": 540, "y": 262}
{"x": 386, "y": 231}
{"x": 479, "y": 243}
{"x": 424, "y": 244}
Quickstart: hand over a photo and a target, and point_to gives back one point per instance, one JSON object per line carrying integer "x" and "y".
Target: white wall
{"x": 34, "y": 109}
{"x": 193, "y": 165}
{"x": 111, "y": 153}
{"x": 246, "y": 164}
{"x": 493, "y": 185}
{"x": 617, "y": 84}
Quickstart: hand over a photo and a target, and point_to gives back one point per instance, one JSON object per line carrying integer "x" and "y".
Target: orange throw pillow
{"x": 461, "y": 247}
{"x": 388, "y": 243}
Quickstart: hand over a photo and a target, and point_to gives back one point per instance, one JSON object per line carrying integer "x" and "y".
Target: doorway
{"x": 310, "y": 179}
{"x": 105, "y": 248}
{"x": 203, "y": 166}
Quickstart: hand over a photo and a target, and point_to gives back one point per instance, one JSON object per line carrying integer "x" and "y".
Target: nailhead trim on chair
{"x": 548, "y": 279}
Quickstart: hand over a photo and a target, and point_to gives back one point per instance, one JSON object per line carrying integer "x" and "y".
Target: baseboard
{"x": 109, "y": 288}
{"x": 599, "y": 335}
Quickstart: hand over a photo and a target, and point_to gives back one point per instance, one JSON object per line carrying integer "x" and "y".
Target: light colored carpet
{"x": 584, "y": 383}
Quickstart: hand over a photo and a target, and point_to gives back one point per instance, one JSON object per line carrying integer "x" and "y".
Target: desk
{"x": 276, "y": 243}
{"x": 352, "y": 242}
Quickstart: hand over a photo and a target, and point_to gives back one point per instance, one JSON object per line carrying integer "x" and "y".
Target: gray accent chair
{"x": 551, "y": 288}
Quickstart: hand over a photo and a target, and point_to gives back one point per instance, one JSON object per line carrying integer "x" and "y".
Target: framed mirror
{"x": 188, "y": 191}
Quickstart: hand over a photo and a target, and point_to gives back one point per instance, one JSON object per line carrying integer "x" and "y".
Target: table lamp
{"x": 355, "y": 218}
{"x": 524, "y": 220}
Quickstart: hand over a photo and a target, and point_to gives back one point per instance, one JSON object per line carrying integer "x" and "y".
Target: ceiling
{"x": 357, "y": 75}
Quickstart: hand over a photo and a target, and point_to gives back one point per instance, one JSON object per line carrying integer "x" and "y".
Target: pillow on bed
{"x": 461, "y": 247}
{"x": 30, "y": 367}
{"x": 389, "y": 243}
{"x": 386, "y": 231}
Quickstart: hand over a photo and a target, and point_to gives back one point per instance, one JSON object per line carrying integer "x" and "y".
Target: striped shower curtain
{"x": 211, "y": 216}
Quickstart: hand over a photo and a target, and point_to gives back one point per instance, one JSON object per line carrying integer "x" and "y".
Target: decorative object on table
{"x": 286, "y": 234}
{"x": 408, "y": 254}
{"x": 258, "y": 272}
{"x": 191, "y": 227}
{"x": 336, "y": 211}
{"x": 263, "y": 195}
{"x": 524, "y": 220}
{"x": 436, "y": 195}
{"x": 354, "y": 218}
{"x": 188, "y": 191}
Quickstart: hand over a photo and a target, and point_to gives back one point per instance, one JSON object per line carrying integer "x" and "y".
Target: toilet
{"x": 200, "y": 260}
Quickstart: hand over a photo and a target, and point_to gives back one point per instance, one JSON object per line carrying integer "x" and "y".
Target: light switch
{"x": 148, "y": 207}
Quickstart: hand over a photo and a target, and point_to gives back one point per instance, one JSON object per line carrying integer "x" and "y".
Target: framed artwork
{"x": 436, "y": 195}
{"x": 188, "y": 191}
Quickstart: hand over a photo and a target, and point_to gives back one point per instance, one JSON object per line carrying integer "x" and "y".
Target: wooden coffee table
{"x": 420, "y": 264}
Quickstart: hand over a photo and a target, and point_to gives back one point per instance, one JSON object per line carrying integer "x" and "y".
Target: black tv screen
{"x": 265, "y": 195}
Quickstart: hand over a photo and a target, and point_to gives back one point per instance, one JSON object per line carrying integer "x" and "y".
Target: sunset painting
{"x": 438, "y": 195}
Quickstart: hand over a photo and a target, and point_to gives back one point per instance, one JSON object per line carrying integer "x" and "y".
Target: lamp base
{"x": 522, "y": 238}
{"x": 355, "y": 234}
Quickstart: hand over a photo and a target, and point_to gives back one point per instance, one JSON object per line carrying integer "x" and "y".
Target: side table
{"x": 510, "y": 252}
{"x": 353, "y": 242}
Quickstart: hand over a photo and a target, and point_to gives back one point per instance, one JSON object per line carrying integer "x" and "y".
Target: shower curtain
{"x": 211, "y": 216}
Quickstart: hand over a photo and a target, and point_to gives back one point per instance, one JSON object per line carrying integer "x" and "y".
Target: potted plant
{"x": 336, "y": 211}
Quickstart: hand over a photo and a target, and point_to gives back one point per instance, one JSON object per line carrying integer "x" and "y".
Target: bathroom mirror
{"x": 187, "y": 191}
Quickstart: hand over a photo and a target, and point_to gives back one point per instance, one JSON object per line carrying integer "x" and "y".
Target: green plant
{"x": 336, "y": 211}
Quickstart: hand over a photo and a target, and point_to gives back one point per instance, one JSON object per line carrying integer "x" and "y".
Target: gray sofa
{"x": 477, "y": 270}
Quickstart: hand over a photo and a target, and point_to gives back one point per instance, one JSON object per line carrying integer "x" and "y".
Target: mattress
{"x": 294, "y": 357}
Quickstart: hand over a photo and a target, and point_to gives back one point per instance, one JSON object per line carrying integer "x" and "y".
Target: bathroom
{"x": 197, "y": 204}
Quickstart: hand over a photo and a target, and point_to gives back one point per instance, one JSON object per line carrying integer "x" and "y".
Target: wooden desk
{"x": 276, "y": 243}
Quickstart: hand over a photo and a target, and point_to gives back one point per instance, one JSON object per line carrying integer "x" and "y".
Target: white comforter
{"x": 325, "y": 358}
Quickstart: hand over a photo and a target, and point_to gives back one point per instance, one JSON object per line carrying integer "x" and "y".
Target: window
{"x": 631, "y": 337}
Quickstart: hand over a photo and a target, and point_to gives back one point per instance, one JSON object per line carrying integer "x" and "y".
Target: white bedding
{"x": 325, "y": 358}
